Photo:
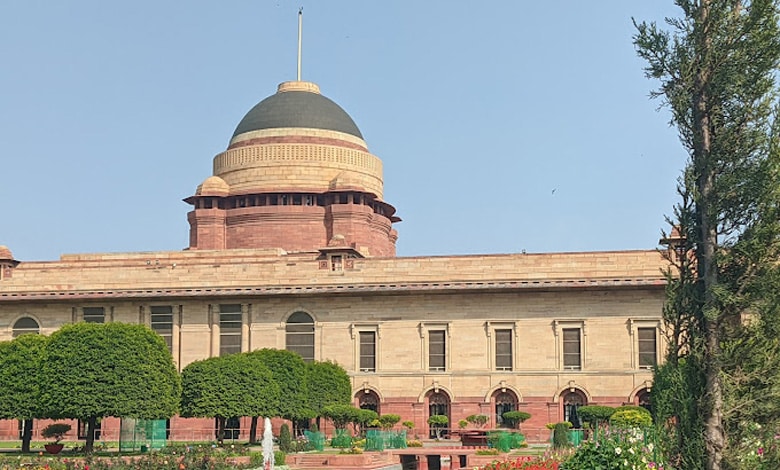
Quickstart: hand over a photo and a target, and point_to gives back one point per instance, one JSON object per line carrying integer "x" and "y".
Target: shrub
{"x": 513, "y": 418}
{"x": 487, "y": 452}
{"x": 408, "y": 425}
{"x": 55, "y": 431}
{"x": 594, "y": 414}
{"x": 414, "y": 443}
{"x": 279, "y": 457}
{"x": 463, "y": 423}
{"x": 615, "y": 449}
{"x": 388, "y": 421}
{"x": 561, "y": 435}
{"x": 551, "y": 426}
{"x": 631, "y": 418}
{"x": 285, "y": 439}
{"x": 478, "y": 420}
{"x": 437, "y": 422}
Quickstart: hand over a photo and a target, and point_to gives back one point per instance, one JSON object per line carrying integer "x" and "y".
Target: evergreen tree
{"x": 328, "y": 384}
{"x": 717, "y": 70}
{"x": 92, "y": 370}
{"x": 227, "y": 387}
{"x": 20, "y": 376}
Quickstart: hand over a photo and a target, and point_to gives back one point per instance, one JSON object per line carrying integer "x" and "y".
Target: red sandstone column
{"x": 422, "y": 462}
{"x": 454, "y": 462}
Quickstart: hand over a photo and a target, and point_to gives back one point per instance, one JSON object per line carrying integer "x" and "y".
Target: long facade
{"x": 293, "y": 247}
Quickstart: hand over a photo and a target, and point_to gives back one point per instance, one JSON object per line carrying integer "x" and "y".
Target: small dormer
{"x": 338, "y": 255}
{"x": 7, "y": 263}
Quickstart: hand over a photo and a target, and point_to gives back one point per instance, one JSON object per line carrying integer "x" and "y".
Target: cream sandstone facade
{"x": 292, "y": 225}
{"x": 606, "y": 295}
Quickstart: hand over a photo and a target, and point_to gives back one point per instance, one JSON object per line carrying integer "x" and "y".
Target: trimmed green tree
{"x": 285, "y": 439}
{"x": 479, "y": 420}
{"x": 20, "y": 377}
{"x": 631, "y": 418}
{"x": 595, "y": 415}
{"x": 514, "y": 418}
{"x": 364, "y": 419}
{"x": 717, "y": 68}
{"x": 328, "y": 384}
{"x": 438, "y": 423}
{"x": 388, "y": 421}
{"x": 289, "y": 372}
{"x": 340, "y": 415}
{"x": 226, "y": 387}
{"x": 90, "y": 371}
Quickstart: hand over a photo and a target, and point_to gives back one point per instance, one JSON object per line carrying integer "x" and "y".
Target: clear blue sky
{"x": 503, "y": 126}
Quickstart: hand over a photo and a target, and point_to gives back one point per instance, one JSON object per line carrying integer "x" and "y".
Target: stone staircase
{"x": 372, "y": 460}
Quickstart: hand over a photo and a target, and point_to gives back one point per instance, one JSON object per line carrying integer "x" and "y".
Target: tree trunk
{"x": 253, "y": 431}
{"x": 89, "y": 445}
{"x": 221, "y": 430}
{"x": 705, "y": 256}
{"x": 27, "y": 426}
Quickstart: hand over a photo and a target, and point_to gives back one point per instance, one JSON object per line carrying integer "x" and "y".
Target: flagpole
{"x": 300, "y": 26}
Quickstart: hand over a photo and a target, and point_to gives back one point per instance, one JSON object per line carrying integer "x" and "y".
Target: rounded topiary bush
{"x": 595, "y": 414}
{"x": 513, "y": 418}
{"x": 631, "y": 418}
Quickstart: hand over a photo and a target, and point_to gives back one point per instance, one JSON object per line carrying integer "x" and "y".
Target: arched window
{"x": 438, "y": 404}
{"x": 644, "y": 400}
{"x": 368, "y": 400}
{"x": 24, "y": 326}
{"x": 505, "y": 401}
{"x": 300, "y": 335}
{"x": 571, "y": 402}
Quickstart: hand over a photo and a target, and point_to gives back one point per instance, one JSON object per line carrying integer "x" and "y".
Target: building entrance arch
{"x": 367, "y": 400}
{"x": 572, "y": 400}
{"x": 438, "y": 404}
{"x": 503, "y": 401}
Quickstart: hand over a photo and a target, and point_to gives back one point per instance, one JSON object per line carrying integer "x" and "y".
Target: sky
{"x": 502, "y": 126}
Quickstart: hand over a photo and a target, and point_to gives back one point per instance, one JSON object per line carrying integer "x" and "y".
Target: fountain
{"x": 268, "y": 445}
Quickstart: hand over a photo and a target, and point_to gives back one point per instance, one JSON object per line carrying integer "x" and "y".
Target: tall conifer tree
{"x": 717, "y": 68}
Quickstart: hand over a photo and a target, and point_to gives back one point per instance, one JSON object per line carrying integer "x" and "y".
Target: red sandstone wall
{"x": 291, "y": 227}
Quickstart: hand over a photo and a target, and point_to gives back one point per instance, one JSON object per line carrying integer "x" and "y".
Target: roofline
{"x": 385, "y": 288}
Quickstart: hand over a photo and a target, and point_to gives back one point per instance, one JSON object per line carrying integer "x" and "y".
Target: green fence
{"x": 140, "y": 435}
{"x": 505, "y": 441}
{"x": 341, "y": 439}
{"x": 316, "y": 439}
{"x": 381, "y": 440}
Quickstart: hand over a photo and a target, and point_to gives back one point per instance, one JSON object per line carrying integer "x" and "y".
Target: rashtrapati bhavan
{"x": 292, "y": 246}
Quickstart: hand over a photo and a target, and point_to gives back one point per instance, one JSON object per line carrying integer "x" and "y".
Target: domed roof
{"x": 5, "y": 253}
{"x": 213, "y": 186}
{"x": 297, "y": 104}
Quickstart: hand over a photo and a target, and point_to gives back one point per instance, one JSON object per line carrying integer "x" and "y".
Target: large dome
{"x": 297, "y": 104}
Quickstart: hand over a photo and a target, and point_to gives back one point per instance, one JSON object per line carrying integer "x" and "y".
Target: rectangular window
{"x": 230, "y": 322}
{"x": 94, "y": 314}
{"x": 367, "y": 351}
{"x": 437, "y": 350}
{"x": 503, "y": 349}
{"x": 572, "y": 349}
{"x": 161, "y": 321}
{"x": 647, "y": 347}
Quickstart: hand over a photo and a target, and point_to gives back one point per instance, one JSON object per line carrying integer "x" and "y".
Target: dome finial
{"x": 300, "y": 27}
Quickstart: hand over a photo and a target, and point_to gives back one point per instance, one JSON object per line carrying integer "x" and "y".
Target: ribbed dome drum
{"x": 296, "y": 175}
{"x": 297, "y": 140}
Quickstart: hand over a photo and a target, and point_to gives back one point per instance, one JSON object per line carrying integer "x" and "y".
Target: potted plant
{"x": 57, "y": 432}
